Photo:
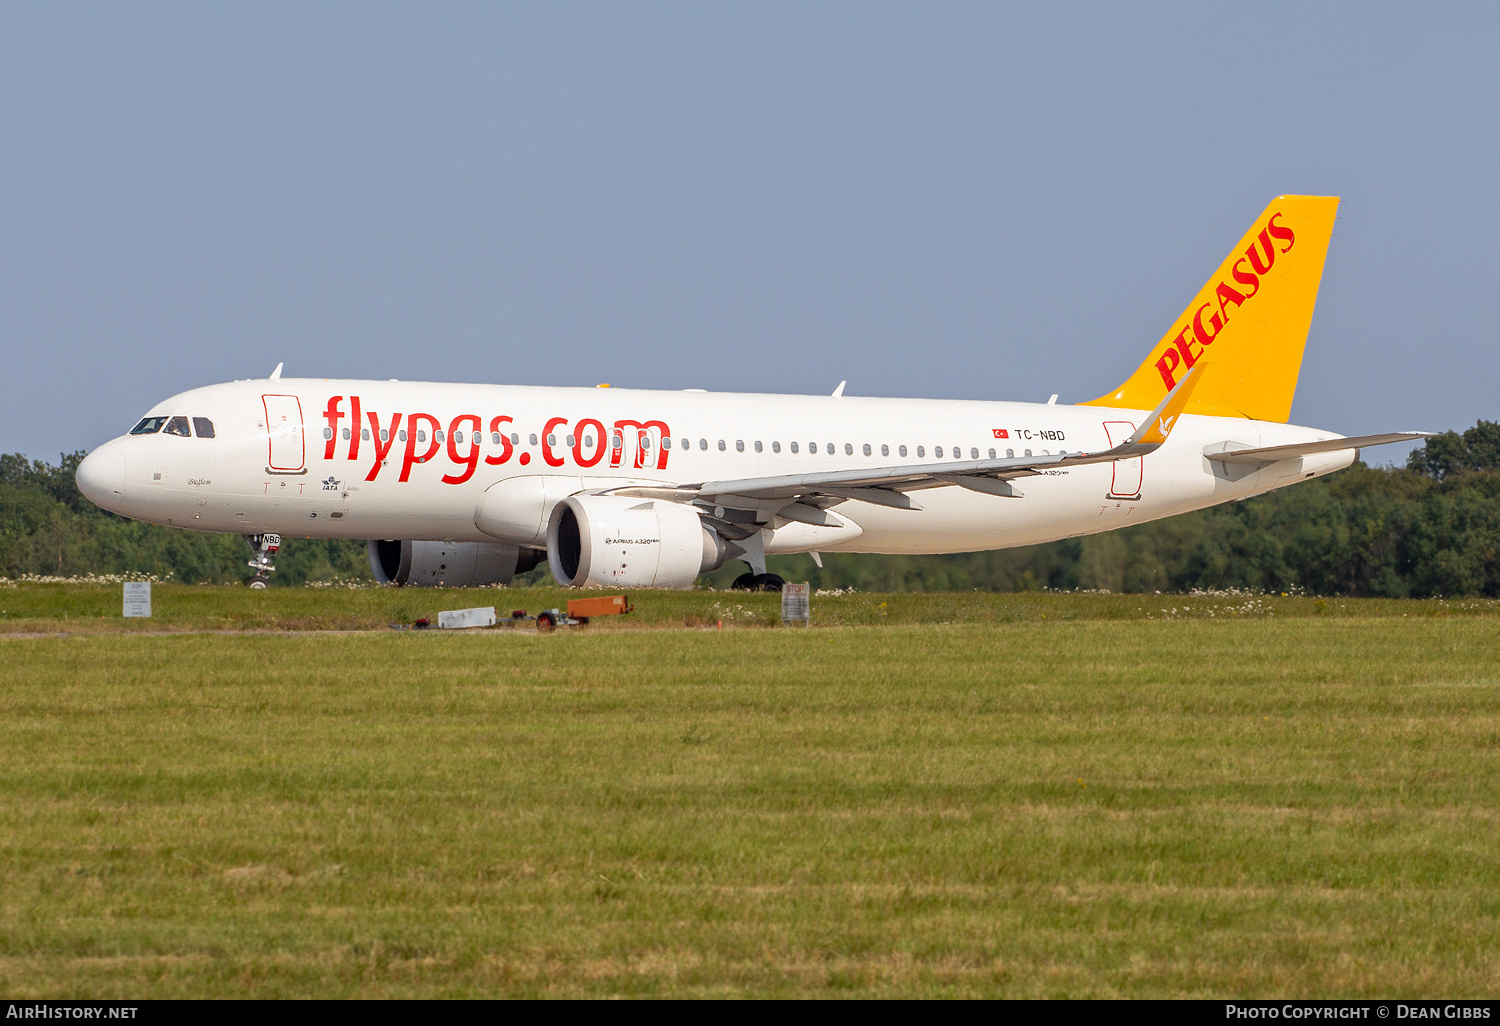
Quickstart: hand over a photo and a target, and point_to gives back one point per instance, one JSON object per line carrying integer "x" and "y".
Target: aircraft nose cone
{"x": 101, "y": 475}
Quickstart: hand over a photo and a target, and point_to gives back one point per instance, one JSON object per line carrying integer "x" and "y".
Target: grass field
{"x": 951, "y": 795}
{"x": 73, "y": 609}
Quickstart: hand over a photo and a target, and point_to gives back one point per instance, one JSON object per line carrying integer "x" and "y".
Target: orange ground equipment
{"x": 608, "y": 605}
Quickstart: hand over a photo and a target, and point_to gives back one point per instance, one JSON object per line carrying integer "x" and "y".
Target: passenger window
{"x": 867, "y": 448}
{"x": 937, "y": 450}
{"x": 921, "y": 452}
{"x": 794, "y": 447}
{"x": 385, "y": 435}
{"x": 204, "y": 428}
{"x": 666, "y": 442}
{"x": 885, "y": 450}
{"x": 533, "y": 440}
{"x": 437, "y": 436}
{"x": 645, "y": 441}
{"x": 364, "y": 434}
{"x": 494, "y": 438}
{"x": 421, "y": 435}
{"x": 775, "y": 446}
{"x": 551, "y": 439}
{"x": 148, "y": 426}
{"x": 848, "y": 449}
{"x": 992, "y": 454}
{"x": 739, "y": 445}
{"x": 1028, "y": 452}
{"x": 515, "y": 438}
{"x": 458, "y": 438}
{"x": 327, "y": 433}
{"x": 721, "y": 445}
{"x": 686, "y": 444}
{"x": 703, "y": 444}
{"x": 178, "y": 426}
{"x": 973, "y": 454}
{"x": 757, "y": 447}
{"x": 200, "y": 433}
{"x": 830, "y": 448}
{"x": 567, "y": 438}
{"x": 902, "y": 450}
{"x": 401, "y": 436}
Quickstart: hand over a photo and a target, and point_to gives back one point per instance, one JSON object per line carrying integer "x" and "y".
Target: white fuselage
{"x": 270, "y": 466}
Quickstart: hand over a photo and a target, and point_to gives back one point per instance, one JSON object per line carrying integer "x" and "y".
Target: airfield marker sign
{"x": 795, "y": 603}
{"x": 456, "y": 619}
{"x": 137, "y": 598}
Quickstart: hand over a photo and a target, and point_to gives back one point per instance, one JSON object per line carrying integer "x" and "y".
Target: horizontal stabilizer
{"x": 1276, "y": 453}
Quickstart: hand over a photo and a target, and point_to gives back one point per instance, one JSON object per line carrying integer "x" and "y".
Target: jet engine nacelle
{"x": 599, "y": 541}
{"x": 428, "y": 564}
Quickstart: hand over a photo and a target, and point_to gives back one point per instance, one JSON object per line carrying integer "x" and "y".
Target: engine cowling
{"x": 605, "y": 541}
{"x": 428, "y": 564}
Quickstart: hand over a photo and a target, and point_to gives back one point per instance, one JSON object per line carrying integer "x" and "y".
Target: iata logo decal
{"x": 1247, "y": 272}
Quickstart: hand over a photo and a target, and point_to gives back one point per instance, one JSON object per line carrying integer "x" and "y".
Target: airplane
{"x": 471, "y": 484}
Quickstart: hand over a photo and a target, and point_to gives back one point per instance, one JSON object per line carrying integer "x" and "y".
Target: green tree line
{"x": 48, "y": 528}
{"x": 1429, "y": 529}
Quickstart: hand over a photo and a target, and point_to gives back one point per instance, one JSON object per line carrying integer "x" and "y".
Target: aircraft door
{"x": 284, "y": 428}
{"x": 1126, "y": 483}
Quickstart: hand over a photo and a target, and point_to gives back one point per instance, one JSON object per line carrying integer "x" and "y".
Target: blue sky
{"x": 946, "y": 200}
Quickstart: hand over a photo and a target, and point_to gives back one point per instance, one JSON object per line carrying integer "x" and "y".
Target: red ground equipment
{"x": 608, "y": 605}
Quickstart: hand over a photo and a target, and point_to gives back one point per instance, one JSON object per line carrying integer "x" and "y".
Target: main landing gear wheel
{"x": 256, "y": 582}
{"x": 758, "y": 582}
{"x": 769, "y": 582}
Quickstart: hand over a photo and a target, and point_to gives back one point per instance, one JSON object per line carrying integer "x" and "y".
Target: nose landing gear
{"x": 264, "y": 546}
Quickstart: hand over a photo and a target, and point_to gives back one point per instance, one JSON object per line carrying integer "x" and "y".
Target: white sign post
{"x": 795, "y": 604}
{"x": 137, "y": 598}
{"x": 480, "y": 616}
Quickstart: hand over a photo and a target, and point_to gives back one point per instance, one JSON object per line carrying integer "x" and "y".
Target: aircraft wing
{"x": 887, "y": 486}
{"x": 1275, "y": 453}
{"x": 884, "y": 486}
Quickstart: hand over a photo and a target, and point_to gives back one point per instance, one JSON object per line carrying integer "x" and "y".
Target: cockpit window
{"x": 178, "y": 426}
{"x": 203, "y": 427}
{"x": 148, "y": 426}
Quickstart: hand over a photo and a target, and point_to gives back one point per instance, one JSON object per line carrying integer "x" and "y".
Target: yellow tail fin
{"x": 1252, "y": 317}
